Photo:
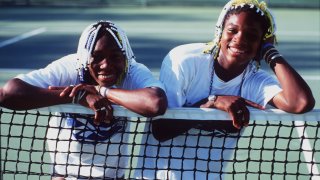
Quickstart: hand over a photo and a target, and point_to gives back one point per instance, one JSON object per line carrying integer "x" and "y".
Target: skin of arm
{"x": 19, "y": 95}
{"x": 149, "y": 102}
{"x": 296, "y": 96}
{"x": 165, "y": 129}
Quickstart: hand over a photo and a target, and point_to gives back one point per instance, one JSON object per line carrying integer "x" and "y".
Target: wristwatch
{"x": 212, "y": 98}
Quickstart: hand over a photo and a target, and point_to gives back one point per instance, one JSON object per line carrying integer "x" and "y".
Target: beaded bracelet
{"x": 270, "y": 53}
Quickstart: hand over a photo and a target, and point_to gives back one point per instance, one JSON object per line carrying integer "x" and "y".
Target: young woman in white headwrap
{"x": 101, "y": 73}
{"x": 225, "y": 75}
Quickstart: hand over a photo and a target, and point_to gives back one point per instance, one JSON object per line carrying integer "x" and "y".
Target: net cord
{"x": 194, "y": 113}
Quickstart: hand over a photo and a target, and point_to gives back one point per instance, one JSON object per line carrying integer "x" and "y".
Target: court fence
{"x": 37, "y": 144}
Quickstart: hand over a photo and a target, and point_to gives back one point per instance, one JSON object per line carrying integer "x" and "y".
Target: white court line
{"x": 307, "y": 148}
{"x": 22, "y": 37}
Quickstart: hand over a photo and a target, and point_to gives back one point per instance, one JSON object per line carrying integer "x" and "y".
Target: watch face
{"x": 212, "y": 97}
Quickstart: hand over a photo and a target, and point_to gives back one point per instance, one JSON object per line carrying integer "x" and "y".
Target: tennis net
{"x": 275, "y": 145}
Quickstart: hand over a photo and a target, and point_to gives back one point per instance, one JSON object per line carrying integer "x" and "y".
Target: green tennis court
{"x": 32, "y": 37}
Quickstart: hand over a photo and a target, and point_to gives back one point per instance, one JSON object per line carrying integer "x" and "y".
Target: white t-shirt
{"x": 186, "y": 74}
{"x": 103, "y": 148}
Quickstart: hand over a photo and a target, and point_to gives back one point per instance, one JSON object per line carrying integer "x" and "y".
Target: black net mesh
{"x": 34, "y": 146}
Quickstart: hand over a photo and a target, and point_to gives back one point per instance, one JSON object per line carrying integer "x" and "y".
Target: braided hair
{"x": 87, "y": 42}
{"x": 259, "y": 11}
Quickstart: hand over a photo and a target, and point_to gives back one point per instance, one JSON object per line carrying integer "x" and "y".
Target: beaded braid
{"x": 87, "y": 42}
{"x": 239, "y": 5}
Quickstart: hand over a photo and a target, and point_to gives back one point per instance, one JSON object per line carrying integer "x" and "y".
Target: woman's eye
{"x": 232, "y": 31}
{"x": 97, "y": 58}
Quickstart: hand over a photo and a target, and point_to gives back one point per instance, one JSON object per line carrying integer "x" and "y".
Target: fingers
{"x": 110, "y": 114}
{"x": 103, "y": 114}
{"x": 253, "y": 104}
{"x": 56, "y": 88}
{"x": 66, "y": 91}
{"x": 75, "y": 90}
{"x": 237, "y": 117}
{"x": 240, "y": 116}
{"x": 246, "y": 117}
{"x": 100, "y": 114}
{"x": 270, "y": 40}
{"x": 72, "y": 91}
{"x": 87, "y": 88}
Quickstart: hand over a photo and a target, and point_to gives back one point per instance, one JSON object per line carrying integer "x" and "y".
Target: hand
{"x": 92, "y": 99}
{"x": 271, "y": 40}
{"x": 71, "y": 91}
{"x": 264, "y": 46}
{"x": 101, "y": 106}
{"x": 235, "y": 106}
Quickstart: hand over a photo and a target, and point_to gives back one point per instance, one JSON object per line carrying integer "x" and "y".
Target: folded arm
{"x": 19, "y": 95}
{"x": 296, "y": 96}
{"x": 148, "y": 102}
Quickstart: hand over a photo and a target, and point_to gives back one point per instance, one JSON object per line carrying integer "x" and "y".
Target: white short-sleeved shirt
{"x": 99, "y": 146}
{"x": 186, "y": 74}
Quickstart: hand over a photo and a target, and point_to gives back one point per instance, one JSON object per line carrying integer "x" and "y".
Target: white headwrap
{"x": 88, "y": 40}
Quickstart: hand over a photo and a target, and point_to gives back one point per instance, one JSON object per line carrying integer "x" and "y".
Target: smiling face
{"x": 241, "y": 39}
{"x": 107, "y": 61}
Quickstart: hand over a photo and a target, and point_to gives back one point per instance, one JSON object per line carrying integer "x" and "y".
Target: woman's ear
{"x": 259, "y": 54}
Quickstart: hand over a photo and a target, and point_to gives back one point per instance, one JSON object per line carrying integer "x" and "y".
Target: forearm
{"x": 296, "y": 96}
{"x": 165, "y": 129}
{"x": 18, "y": 95}
{"x": 148, "y": 102}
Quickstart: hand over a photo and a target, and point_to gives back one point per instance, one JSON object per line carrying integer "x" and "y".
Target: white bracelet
{"x": 275, "y": 56}
{"x": 104, "y": 91}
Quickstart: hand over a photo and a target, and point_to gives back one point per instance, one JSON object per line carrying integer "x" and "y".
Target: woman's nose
{"x": 241, "y": 38}
{"x": 104, "y": 64}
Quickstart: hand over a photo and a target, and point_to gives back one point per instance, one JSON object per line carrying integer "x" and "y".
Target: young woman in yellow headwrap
{"x": 224, "y": 75}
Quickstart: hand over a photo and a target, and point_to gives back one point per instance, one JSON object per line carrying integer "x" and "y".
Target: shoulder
{"x": 186, "y": 54}
{"x": 187, "y": 50}
{"x": 68, "y": 60}
{"x": 138, "y": 71}
{"x": 140, "y": 76}
{"x": 259, "y": 77}
{"x": 65, "y": 66}
{"x": 56, "y": 73}
{"x": 138, "y": 67}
